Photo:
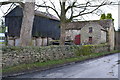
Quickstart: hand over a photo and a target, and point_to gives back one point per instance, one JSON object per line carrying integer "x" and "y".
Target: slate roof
{"x": 80, "y": 24}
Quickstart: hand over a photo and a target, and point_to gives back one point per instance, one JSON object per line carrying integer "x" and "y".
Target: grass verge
{"x": 49, "y": 64}
{"x": 2, "y": 42}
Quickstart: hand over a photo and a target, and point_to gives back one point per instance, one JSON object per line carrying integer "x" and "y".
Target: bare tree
{"x": 73, "y": 9}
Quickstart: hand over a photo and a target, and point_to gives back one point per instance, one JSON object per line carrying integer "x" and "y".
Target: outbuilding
{"x": 45, "y": 27}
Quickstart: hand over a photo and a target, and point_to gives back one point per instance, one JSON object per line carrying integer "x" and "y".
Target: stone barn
{"x": 45, "y": 27}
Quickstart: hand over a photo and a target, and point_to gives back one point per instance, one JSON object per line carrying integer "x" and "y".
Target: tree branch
{"x": 69, "y": 7}
{"x": 50, "y": 8}
{"x": 81, "y": 12}
{"x": 4, "y": 3}
{"x": 7, "y": 2}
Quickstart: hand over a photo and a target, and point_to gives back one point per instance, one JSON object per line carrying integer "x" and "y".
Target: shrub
{"x": 83, "y": 50}
{"x": 103, "y": 16}
{"x": 88, "y": 49}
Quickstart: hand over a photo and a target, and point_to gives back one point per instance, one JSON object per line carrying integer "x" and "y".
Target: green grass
{"x": 2, "y": 42}
{"x": 37, "y": 65}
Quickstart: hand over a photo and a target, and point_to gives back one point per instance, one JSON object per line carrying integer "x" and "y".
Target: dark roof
{"x": 37, "y": 13}
{"x": 80, "y": 24}
{"x": 47, "y": 15}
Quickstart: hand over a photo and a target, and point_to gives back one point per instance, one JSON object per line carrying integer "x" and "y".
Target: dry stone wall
{"x": 12, "y": 56}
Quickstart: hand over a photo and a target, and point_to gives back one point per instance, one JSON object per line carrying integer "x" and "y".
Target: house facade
{"x": 93, "y": 33}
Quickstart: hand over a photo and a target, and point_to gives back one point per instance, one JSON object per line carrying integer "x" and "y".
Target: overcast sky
{"x": 105, "y": 9}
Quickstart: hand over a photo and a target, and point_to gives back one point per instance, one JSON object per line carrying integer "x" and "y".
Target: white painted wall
{"x": 70, "y": 34}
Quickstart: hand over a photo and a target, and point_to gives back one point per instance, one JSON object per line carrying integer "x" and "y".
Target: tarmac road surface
{"x": 104, "y": 67}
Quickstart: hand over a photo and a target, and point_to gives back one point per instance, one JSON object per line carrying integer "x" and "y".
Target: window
{"x": 90, "y": 40}
{"x": 90, "y": 29}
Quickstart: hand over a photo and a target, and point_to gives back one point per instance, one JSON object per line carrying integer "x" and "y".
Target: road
{"x": 104, "y": 67}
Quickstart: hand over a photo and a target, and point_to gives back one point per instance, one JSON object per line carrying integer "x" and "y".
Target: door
{"x": 77, "y": 39}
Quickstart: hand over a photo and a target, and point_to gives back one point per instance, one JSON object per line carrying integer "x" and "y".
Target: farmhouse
{"x": 91, "y": 32}
{"x": 45, "y": 27}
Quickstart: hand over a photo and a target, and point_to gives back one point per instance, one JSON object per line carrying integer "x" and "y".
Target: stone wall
{"x": 111, "y": 36}
{"x": 117, "y": 40}
{"x": 18, "y": 55}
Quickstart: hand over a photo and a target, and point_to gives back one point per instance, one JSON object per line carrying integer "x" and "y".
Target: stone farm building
{"x": 45, "y": 27}
{"x": 91, "y": 32}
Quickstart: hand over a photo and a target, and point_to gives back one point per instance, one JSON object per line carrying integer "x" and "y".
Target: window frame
{"x": 90, "y": 29}
{"x": 90, "y": 40}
